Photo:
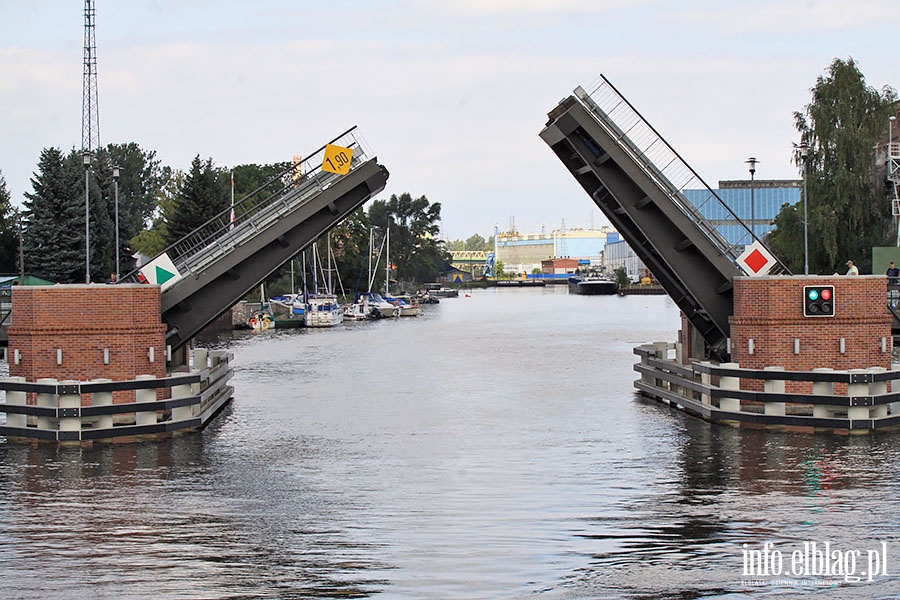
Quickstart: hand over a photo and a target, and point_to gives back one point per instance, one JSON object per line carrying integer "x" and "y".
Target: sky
{"x": 450, "y": 95}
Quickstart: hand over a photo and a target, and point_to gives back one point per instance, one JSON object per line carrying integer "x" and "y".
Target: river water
{"x": 493, "y": 447}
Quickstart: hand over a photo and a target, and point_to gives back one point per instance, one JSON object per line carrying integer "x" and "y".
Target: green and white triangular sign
{"x": 162, "y": 275}
{"x": 161, "y": 271}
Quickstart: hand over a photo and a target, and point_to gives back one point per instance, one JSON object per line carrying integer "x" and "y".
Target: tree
{"x": 141, "y": 180}
{"x": 203, "y": 194}
{"x": 846, "y": 210}
{"x": 473, "y": 242}
{"x": 53, "y": 236}
{"x": 415, "y": 249}
{"x": 9, "y": 231}
{"x": 152, "y": 240}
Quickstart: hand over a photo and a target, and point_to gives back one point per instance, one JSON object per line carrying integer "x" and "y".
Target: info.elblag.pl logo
{"x": 814, "y": 563}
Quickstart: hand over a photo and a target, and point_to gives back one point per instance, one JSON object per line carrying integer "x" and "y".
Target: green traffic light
{"x": 813, "y": 295}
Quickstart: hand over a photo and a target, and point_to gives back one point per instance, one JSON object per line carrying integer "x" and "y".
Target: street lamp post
{"x": 891, "y": 120}
{"x": 116, "y": 180}
{"x": 752, "y": 162}
{"x": 804, "y": 156}
{"x": 86, "y": 159}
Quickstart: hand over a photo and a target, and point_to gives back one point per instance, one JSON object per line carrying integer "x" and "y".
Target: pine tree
{"x": 54, "y": 219}
{"x": 202, "y": 196}
{"x": 9, "y": 231}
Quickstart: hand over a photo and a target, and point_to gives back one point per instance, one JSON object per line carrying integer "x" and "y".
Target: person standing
{"x": 893, "y": 274}
{"x": 851, "y": 268}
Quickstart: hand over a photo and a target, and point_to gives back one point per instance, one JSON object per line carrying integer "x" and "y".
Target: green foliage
{"x": 9, "y": 231}
{"x": 203, "y": 194}
{"x": 473, "y": 242}
{"x": 846, "y": 208}
{"x": 151, "y": 240}
{"x": 622, "y": 277}
{"x": 414, "y": 246}
{"x": 53, "y": 236}
{"x": 141, "y": 179}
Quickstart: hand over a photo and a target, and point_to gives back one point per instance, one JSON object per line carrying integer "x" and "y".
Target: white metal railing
{"x": 256, "y": 212}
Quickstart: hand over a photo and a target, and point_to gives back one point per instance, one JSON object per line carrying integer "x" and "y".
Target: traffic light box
{"x": 818, "y": 301}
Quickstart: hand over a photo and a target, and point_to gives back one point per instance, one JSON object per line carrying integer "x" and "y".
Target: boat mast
{"x": 328, "y": 251}
{"x": 387, "y": 261}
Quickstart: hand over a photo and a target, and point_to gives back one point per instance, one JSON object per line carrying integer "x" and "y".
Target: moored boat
{"x": 436, "y": 290}
{"x": 323, "y": 310}
{"x": 370, "y": 305}
{"x": 591, "y": 285}
{"x": 406, "y": 305}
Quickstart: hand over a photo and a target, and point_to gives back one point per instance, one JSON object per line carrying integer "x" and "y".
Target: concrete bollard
{"x": 858, "y": 389}
{"x": 102, "y": 399}
{"x": 730, "y": 383}
{"x": 181, "y": 413}
{"x": 823, "y": 388}
{"x": 16, "y": 399}
{"x": 775, "y": 386}
{"x": 201, "y": 360}
{"x": 878, "y": 388}
{"x": 705, "y": 379}
{"x": 72, "y": 400}
{"x": 145, "y": 417}
{"x": 46, "y": 400}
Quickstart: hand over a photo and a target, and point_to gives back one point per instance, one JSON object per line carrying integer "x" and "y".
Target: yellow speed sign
{"x": 337, "y": 159}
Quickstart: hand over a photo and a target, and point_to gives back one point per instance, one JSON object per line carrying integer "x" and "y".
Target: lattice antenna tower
{"x": 90, "y": 110}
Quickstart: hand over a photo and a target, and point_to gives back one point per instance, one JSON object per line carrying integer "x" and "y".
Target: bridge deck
{"x": 227, "y": 257}
{"x": 636, "y": 179}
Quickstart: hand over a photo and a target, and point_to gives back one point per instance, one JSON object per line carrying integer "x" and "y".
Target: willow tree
{"x": 847, "y": 212}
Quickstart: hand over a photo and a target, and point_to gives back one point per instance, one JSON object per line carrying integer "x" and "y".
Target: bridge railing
{"x": 260, "y": 209}
{"x": 839, "y": 400}
{"x": 75, "y": 411}
{"x": 664, "y": 166}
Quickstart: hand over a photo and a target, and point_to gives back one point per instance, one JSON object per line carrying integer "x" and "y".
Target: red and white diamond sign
{"x": 756, "y": 260}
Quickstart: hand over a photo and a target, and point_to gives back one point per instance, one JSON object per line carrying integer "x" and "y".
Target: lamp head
{"x": 752, "y": 162}
{"x": 116, "y": 173}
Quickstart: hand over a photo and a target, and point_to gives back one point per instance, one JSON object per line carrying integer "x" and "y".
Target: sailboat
{"x": 323, "y": 308}
{"x": 370, "y": 304}
{"x": 406, "y": 305}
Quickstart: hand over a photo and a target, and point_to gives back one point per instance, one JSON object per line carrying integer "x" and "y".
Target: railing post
{"x": 102, "y": 399}
{"x": 46, "y": 400}
{"x": 857, "y": 389}
{"x": 706, "y": 379}
{"x": 823, "y": 388}
{"x": 878, "y": 388}
{"x": 181, "y": 413}
{"x": 16, "y": 399}
{"x": 775, "y": 386}
{"x": 145, "y": 417}
{"x": 72, "y": 400}
{"x": 201, "y": 363}
{"x": 727, "y": 382}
